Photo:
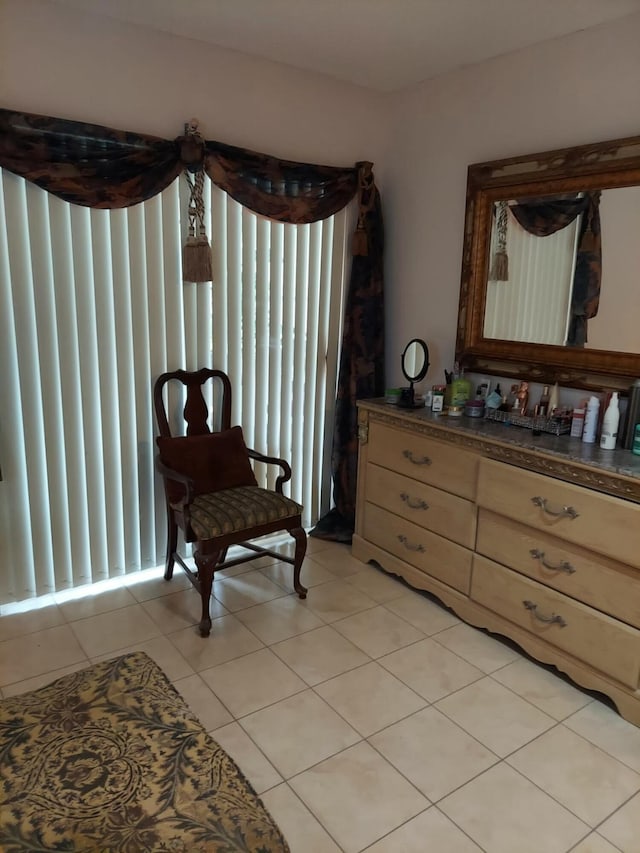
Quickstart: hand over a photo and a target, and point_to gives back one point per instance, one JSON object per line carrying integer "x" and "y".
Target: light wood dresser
{"x": 533, "y": 538}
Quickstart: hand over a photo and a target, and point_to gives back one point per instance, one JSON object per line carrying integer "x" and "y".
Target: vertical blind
{"x": 533, "y": 305}
{"x": 92, "y": 310}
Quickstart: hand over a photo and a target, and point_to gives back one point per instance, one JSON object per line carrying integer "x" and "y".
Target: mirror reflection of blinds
{"x": 92, "y": 309}
{"x": 533, "y": 305}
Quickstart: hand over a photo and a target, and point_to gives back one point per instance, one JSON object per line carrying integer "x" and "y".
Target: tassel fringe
{"x": 359, "y": 243}
{"x": 196, "y": 260}
{"x": 500, "y": 267}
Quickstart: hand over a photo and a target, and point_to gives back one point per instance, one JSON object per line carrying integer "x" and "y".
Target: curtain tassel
{"x": 196, "y": 259}
{"x": 500, "y": 267}
{"x": 196, "y": 253}
{"x": 366, "y": 197}
{"x": 359, "y": 242}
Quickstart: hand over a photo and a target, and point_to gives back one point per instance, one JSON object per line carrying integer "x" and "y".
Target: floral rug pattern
{"x": 111, "y": 759}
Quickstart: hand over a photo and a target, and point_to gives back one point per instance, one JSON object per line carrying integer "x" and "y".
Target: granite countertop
{"x": 621, "y": 462}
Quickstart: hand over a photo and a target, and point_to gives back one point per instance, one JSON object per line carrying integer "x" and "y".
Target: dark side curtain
{"x": 101, "y": 167}
{"x": 545, "y": 217}
{"x": 360, "y": 376}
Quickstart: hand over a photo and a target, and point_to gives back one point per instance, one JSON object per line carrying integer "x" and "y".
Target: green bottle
{"x": 460, "y": 390}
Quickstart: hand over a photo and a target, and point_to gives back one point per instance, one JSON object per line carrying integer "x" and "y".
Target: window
{"x": 92, "y": 309}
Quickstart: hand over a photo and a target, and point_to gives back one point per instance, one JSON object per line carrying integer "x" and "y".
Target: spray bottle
{"x": 610, "y": 424}
{"x": 591, "y": 420}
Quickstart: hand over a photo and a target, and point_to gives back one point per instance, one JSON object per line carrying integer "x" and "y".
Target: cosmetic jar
{"x": 474, "y": 408}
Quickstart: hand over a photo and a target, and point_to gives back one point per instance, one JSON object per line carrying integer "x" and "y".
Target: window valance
{"x": 97, "y": 166}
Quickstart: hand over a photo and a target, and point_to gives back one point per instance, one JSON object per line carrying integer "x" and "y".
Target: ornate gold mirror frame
{"x": 569, "y": 170}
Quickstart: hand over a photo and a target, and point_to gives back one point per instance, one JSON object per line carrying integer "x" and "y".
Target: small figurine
{"x": 522, "y": 398}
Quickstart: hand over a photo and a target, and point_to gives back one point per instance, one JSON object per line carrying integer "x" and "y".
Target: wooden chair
{"x": 211, "y": 491}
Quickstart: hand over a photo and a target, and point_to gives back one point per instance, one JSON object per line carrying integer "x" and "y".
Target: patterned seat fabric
{"x": 233, "y": 510}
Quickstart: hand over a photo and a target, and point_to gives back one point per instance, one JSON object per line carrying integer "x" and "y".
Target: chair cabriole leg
{"x": 300, "y": 537}
{"x": 206, "y": 564}
{"x": 172, "y": 545}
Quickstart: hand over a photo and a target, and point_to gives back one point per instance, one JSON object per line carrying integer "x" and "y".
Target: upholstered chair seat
{"x": 239, "y": 510}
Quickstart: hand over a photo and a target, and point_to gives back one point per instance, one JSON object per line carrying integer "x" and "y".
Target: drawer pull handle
{"x": 565, "y": 512}
{"x": 417, "y": 460}
{"x": 554, "y": 619}
{"x": 562, "y": 566}
{"x": 413, "y": 503}
{"x": 408, "y": 545}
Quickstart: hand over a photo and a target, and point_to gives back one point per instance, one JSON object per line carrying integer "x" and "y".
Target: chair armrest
{"x": 176, "y": 476}
{"x": 273, "y": 460}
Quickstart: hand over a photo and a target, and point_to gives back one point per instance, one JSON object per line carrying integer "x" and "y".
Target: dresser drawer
{"x": 598, "y": 522}
{"x": 583, "y": 575}
{"x": 606, "y": 644}
{"x": 442, "y": 512}
{"x": 424, "y": 459}
{"x": 438, "y": 557}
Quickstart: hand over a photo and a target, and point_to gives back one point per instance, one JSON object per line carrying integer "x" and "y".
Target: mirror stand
{"x": 415, "y": 364}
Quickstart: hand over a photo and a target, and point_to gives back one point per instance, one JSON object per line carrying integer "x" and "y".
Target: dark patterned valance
{"x": 280, "y": 189}
{"x": 87, "y": 164}
{"x": 98, "y": 166}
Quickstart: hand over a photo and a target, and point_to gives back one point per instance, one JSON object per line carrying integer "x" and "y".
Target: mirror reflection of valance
{"x": 100, "y": 167}
{"x": 548, "y": 216}
{"x": 543, "y": 217}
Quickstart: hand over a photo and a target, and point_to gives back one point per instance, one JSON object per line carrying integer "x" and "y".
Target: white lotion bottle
{"x": 591, "y": 420}
{"x": 610, "y": 424}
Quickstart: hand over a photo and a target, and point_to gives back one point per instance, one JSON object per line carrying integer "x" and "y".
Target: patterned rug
{"x": 111, "y": 759}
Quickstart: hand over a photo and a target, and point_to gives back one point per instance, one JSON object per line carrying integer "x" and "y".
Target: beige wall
{"x": 579, "y": 89}
{"x": 57, "y": 61}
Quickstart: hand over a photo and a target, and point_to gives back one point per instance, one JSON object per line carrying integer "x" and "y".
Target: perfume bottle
{"x": 543, "y": 405}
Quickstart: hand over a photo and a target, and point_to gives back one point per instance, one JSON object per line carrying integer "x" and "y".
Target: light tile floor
{"x": 367, "y": 717}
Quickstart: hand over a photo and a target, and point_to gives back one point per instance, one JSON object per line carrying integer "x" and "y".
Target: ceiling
{"x": 383, "y": 45}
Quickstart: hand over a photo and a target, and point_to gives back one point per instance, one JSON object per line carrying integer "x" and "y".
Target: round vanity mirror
{"x": 415, "y": 364}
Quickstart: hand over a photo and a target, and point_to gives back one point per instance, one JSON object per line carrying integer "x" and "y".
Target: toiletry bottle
{"x": 610, "y": 424}
{"x": 504, "y": 405}
{"x": 632, "y": 416}
{"x": 437, "y": 398}
{"x": 554, "y": 399}
{"x": 591, "y": 420}
{"x": 577, "y": 420}
{"x": 460, "y": 390}
{"x": 543, "y": 405}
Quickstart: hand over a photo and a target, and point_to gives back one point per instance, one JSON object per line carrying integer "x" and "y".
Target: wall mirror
{"x": 550, "y": 287}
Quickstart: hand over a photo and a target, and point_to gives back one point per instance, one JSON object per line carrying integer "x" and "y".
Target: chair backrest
{"x": 196, "y": 411}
